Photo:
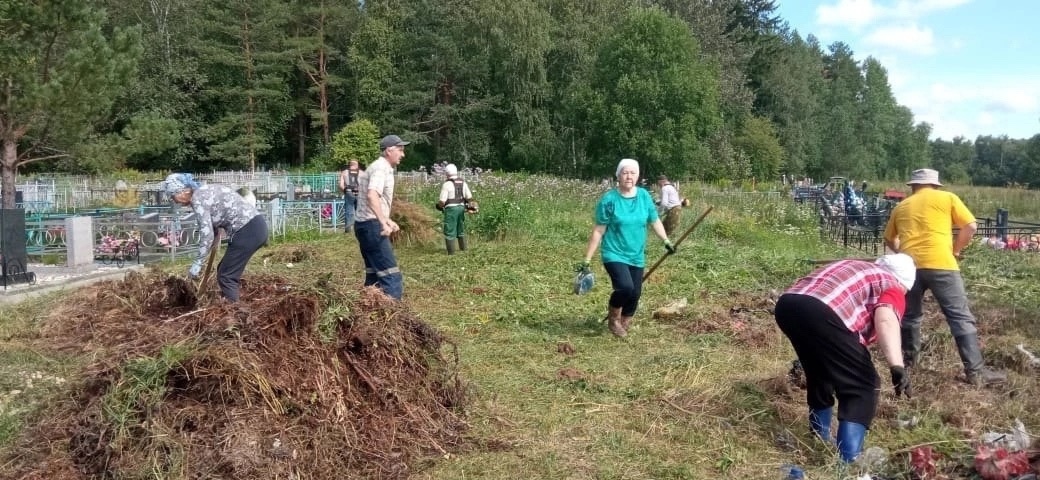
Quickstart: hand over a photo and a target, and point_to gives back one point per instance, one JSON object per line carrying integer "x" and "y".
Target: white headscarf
{"x": 626, "y": 162}
{"x": 902, "y": 266}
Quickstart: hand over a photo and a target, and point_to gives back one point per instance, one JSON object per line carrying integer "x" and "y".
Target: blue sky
{"x": 967, "y": 67}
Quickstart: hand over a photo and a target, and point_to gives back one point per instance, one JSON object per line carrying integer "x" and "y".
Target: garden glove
{"x": 195, "y": 270}
{"x": 669, "y": 247}
{"x": 900, "y": 380}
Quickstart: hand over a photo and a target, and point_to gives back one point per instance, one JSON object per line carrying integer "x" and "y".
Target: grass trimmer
{"x": 678, "y": 242}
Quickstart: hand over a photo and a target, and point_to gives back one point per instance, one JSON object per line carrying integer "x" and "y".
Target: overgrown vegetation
{"x": 721, "y": 89}
{"x": 701, "y": 394}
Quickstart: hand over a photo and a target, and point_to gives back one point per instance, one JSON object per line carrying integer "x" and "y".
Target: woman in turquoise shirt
{"x": 622, "y": 215}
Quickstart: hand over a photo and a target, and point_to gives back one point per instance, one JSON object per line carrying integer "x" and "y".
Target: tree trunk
{"x": 323, "y": 101}
{"x": 247, "y": 44}
{"x": 301, "y": 138}
{"x": 8, "y": 171}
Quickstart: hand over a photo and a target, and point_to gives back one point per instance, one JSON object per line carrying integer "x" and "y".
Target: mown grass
{"x": 673, "y": 400}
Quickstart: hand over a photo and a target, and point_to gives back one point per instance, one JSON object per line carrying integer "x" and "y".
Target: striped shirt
{"x": 379, "y": 176}
{"x": 853, "y": 289}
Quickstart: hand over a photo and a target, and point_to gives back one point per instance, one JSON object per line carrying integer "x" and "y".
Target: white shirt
{"x": 669, "y": 197}
{"x": 448, "y": 192}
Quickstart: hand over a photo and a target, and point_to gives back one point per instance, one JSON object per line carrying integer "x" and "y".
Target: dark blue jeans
{"x": 349, "y": 209}
{"x": 380, "y": 264}
{"x": 628, "y": 286}
{"x": 244, "y": 243}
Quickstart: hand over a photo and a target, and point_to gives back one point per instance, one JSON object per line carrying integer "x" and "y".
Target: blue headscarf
{"x": 175, "y": 182}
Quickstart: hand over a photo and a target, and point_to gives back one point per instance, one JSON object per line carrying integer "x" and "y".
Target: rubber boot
{"x": 450, "y": 245}
{"x": 850, "y": 440}
{"x": 462, "y": 244}
{"x": 626, "y": 322}
{"x": 911, "y": 338}
{"x": 975, "y": 369}
{"x": 820, "y": 423}
{"x": 614, "y": 322}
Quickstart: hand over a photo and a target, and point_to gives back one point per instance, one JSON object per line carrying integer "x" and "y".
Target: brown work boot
{"x": 626, "y": 322}
{"x": 614, "y": 322}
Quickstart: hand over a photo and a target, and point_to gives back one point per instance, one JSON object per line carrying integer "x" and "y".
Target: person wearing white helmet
{"x": 831, "y": 316}
{"x": 454, "y": 200}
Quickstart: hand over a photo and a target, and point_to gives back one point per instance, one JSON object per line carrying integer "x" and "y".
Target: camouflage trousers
{"x": 671, "y": 219}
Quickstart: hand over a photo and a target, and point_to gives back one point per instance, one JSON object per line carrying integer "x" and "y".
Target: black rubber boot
{"x": 450, "y": 245}
{"x": 462, "y": 244}
{"x": 911, "y": 338}
{"x": 975, "y": 369}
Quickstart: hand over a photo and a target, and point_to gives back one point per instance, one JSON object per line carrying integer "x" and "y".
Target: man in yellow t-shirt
{"x": 922, "y": 226}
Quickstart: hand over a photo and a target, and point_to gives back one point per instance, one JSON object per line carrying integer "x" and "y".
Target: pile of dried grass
{"x": 246, "y": 390}
{"x": 417, "y": 226}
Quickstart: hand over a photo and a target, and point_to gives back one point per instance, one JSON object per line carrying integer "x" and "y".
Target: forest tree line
{"x": 705, "y": 89}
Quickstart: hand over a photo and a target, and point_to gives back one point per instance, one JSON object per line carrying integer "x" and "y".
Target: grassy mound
{"x": 291, "y": 382}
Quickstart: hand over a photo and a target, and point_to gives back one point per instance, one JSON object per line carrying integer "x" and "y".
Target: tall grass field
{"x": 700, "y": 393}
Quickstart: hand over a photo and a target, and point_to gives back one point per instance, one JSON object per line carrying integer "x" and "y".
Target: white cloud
{"x": 1011, "y": 100}
{"x": 986, "y": 119}
{"x": 909, "y": 38}
{"x": 1007, "y": 98}
{"x": 942, "y": 93}
{"x": 856, "y": 14}
{"x": 918, "y": 8}
{"x": 978, "y": 107}
{"x": 850, "y": 13}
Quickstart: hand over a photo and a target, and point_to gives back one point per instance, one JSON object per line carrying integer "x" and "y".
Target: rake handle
{"x": 677, "y": 242}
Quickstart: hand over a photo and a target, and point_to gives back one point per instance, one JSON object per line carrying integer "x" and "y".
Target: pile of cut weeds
{"x": 290, "y": 382}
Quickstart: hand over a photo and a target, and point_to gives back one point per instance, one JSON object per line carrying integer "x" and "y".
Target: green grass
{"x": 673, "y": 400}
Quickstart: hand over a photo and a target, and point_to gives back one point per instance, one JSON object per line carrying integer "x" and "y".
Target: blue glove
{"x": 195, "y": 270}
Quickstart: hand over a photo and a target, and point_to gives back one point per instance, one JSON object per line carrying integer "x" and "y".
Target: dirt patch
{"x": 566, "y": 348}
{"x": 747, "y": 318}
{"x": 570, "y": 374}
{"x": 244, "y": 390}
